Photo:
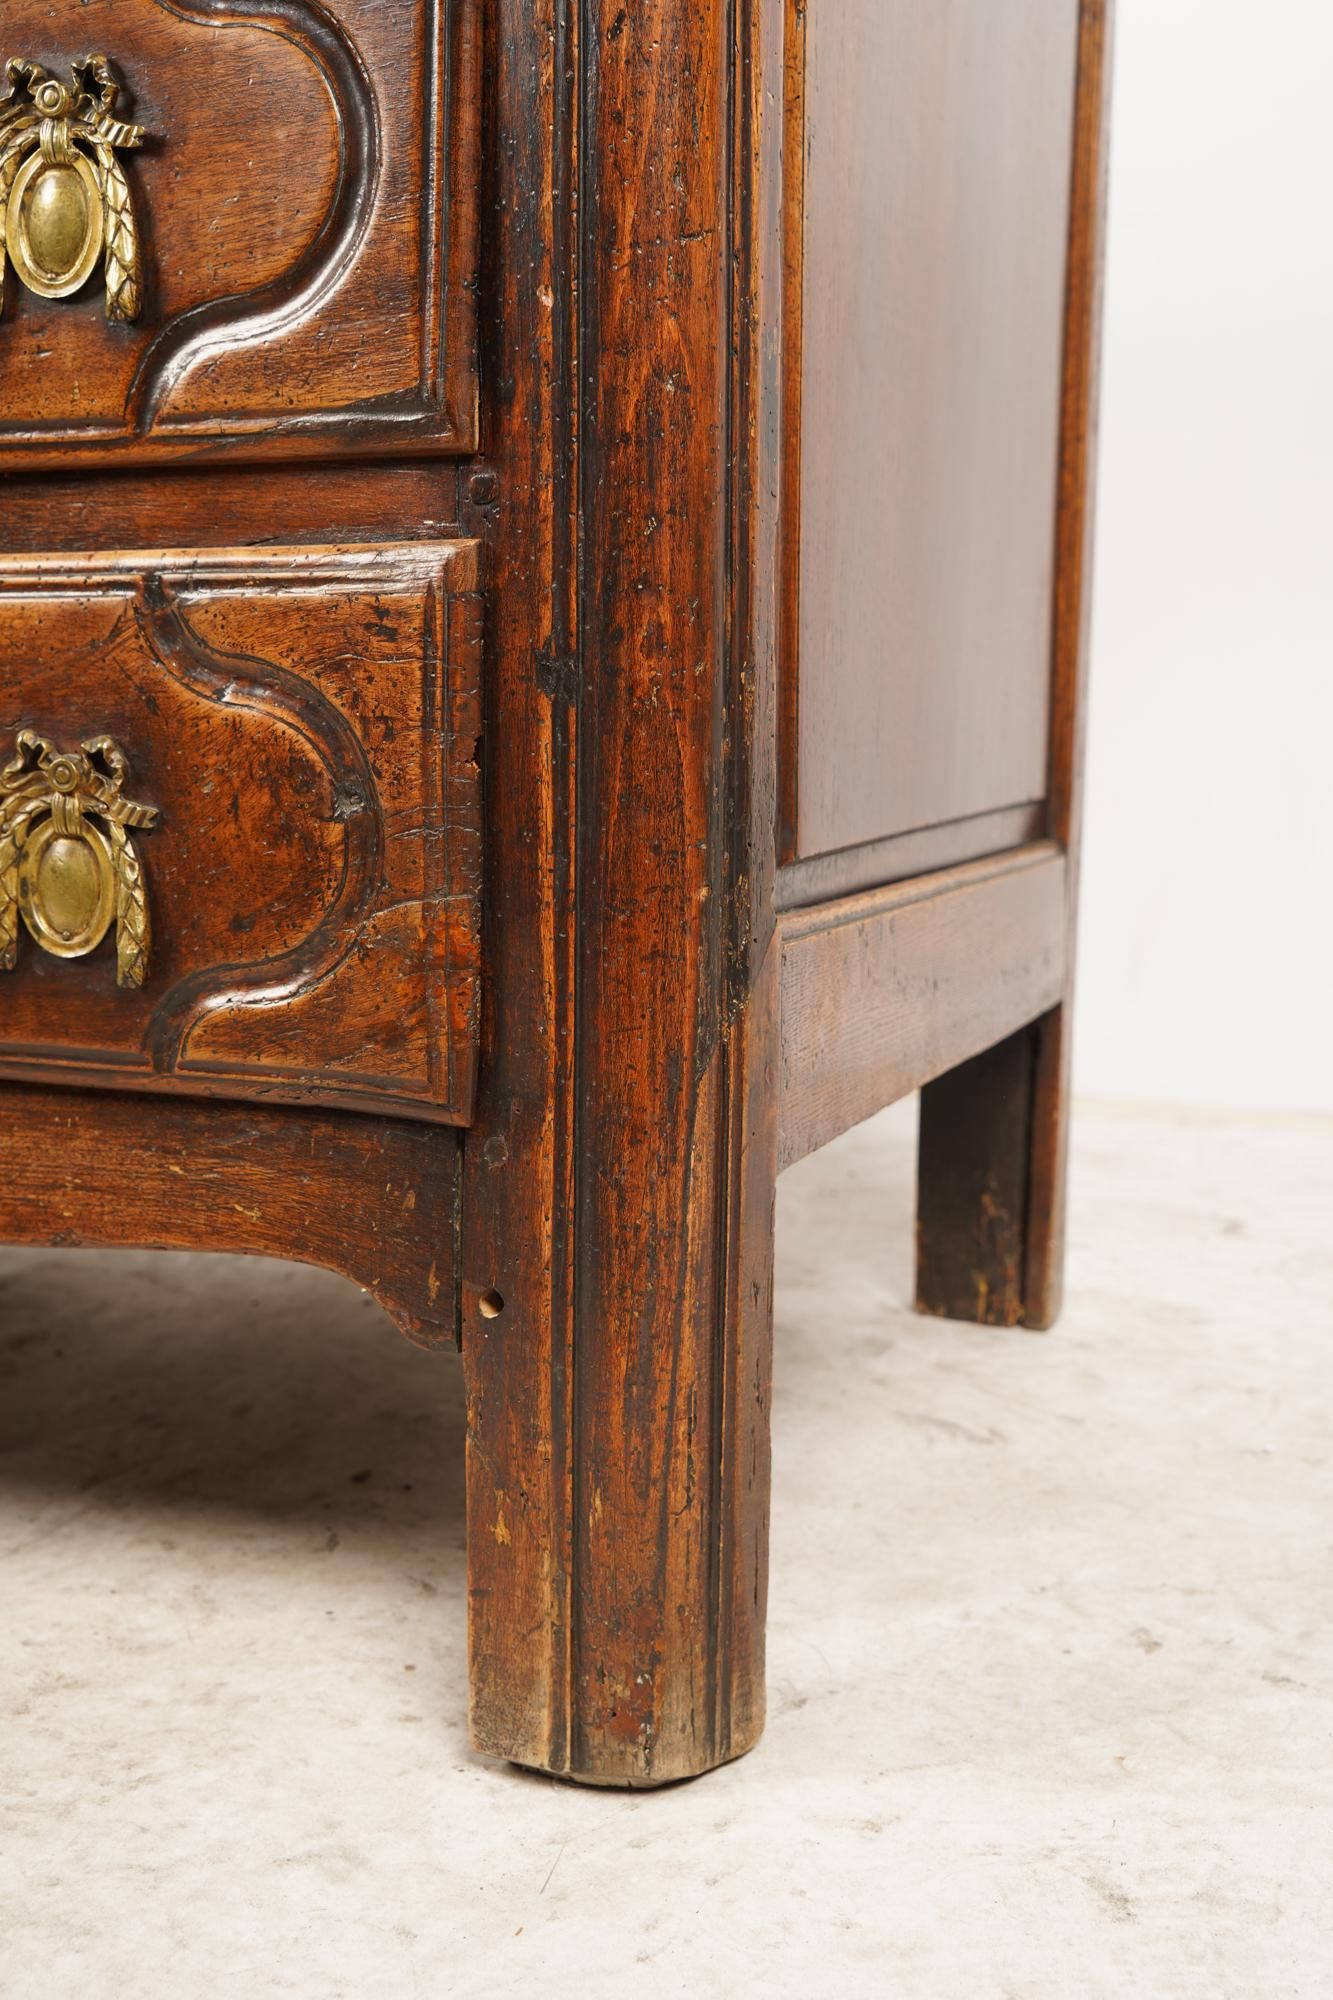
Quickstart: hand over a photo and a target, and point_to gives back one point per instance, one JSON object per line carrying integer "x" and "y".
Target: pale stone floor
{"x": 1051, "y": 1640}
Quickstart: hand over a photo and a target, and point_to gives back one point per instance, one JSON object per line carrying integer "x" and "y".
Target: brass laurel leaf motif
{"x": 68, "y": 866}
{"x": 65, "y": 204}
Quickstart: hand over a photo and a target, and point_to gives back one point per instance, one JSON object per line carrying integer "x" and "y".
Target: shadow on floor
{"x": 253, "y": 1391}
{"x": 256, "y": 1392}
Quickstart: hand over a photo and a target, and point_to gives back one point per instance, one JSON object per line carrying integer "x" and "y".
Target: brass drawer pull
{"x": 65, "y": 204}
{"x": 67, "y": 863}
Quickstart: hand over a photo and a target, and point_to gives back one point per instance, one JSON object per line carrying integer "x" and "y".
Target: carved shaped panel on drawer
{"x": 294, "y": 912}
{"x": 300, "y": 177}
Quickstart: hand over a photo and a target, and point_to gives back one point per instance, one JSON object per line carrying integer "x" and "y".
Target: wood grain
{"x": 226, "y": 506}
{"x": 619, "y": 1452}
{"x": 975, "y": 1216}
{"x": 373, "y": 1200}
{"x": 315, "y": 892}
{"x": 518, "y": 1161}
{"x": 308, "y": 206}
{"x": 884, "y": 991}
{"x": 601, "y": 1234}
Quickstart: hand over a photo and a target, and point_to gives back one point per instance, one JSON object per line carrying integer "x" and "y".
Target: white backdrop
{"x": 1207, "y": 960}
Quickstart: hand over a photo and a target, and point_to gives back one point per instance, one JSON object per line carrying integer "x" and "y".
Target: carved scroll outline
{"x": 443, "y": 579}
{"x": 439, "y": 410}
{"x": 236, "y": 680}
{"x": 277, "y": 307}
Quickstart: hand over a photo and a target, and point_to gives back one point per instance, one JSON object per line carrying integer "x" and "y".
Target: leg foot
{"x": 619, "y": 1488}
{"x": 991, "y": 1168}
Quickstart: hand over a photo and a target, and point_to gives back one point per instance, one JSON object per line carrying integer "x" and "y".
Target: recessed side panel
{"x": 938, "y": 150}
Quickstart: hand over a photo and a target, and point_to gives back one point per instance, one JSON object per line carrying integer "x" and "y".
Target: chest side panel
{"x": 937, "y": 148}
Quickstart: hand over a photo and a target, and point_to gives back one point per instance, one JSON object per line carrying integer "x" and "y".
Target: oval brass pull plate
{"x": 65, "y": 204}
{"x": 68, "y": 866}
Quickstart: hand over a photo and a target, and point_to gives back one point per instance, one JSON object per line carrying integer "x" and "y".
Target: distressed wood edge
{"x": 1071, "y": 640}
{"x": 453, "y": 565}
{"x": 974, "y": 1146}
{"x": 516, "y": 1240}
{"x": 582, "y": 1665}
{"x": 248, "y": 1180}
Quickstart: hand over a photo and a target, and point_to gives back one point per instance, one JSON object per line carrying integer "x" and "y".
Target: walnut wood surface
{"x": 307, "y": 204}
{"x": 618, "y": 1463}
{"x": 307, "y": 724}
{"x": 517, "y": 1227}
{"x": 936, "y": 150}
{"x": 374, "y": 1200}
{"x": 220, "y": 507}
{"x": 887, "y": 990}
{"x": 974, "y": 1218}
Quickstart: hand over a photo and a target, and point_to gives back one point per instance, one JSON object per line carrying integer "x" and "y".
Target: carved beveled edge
{"x": 252, "y": 317}
{"x": 887, "y": 898}
{"x": 241, "y": 681}
{"x": 454, "y": 565}
{"x": 440, "y": 412}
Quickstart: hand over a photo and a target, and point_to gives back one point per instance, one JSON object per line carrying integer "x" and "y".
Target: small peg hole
{"x": 492, "y": 1305}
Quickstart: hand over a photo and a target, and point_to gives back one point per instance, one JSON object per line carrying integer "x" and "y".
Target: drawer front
{"x": 240, "y": 825}
{"x": 251, "y": 230}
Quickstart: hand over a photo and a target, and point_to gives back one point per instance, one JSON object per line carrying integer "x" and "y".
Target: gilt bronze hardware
{"x": 67, "y": 863}
{"x": 65, "y": 204}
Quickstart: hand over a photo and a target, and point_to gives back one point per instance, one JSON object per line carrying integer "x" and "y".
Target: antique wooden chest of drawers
{"x": 543, "y": 586}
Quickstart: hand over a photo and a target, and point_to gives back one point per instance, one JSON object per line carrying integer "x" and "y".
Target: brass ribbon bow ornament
{"x": 64, "y": 198}
{"x": 67, "y": 862}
